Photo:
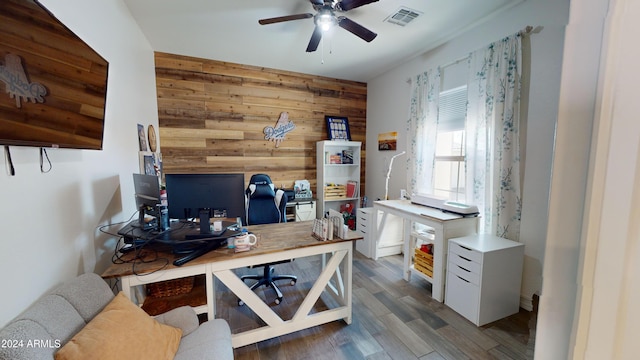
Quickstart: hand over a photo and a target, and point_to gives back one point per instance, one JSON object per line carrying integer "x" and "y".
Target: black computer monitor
{"x": 205, "y": 196}
{"x": 147, "y": 194}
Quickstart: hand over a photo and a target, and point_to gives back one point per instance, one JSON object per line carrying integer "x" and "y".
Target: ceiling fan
{"x": 325, "y": 18}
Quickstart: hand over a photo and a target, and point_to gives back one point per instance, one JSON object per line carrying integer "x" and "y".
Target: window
{"x": 449, "y": 171}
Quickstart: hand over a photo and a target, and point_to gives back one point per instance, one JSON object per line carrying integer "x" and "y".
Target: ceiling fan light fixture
{"x": 325, "y": 19}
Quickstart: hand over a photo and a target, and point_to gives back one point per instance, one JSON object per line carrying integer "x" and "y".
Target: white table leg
{"x": 437, "y": 288}
{"x": 407, "y": 249}
{"x": 210, "y": 288}
{"x": 128, "y": 290}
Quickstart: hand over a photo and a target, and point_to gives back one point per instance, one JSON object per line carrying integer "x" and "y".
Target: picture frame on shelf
{"x": 338, "y": 128}
{"x": 150, "y": 163}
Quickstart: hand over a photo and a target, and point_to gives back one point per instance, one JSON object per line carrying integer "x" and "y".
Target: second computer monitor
{"x": 222, "y": 194}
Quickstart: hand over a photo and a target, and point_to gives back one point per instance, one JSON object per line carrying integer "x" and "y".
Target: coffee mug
{"x": 246, "y": 240}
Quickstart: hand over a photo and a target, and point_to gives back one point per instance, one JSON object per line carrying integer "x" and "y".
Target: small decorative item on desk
{"x": 302, "y": 189}
{"x": 244, "y": 242}
{"x": 340, "y": 229}
{"x": 322, "y": 229}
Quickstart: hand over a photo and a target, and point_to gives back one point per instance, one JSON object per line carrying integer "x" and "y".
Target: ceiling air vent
{"x": 403, "y": 16}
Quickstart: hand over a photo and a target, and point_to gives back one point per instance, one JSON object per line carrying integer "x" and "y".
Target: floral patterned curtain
{"x": 422, "y": 127}
{"x": 492, "y": 130}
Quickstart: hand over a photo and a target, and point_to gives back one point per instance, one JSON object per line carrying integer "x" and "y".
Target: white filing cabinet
{"x": 391, "y": 240}
{"x": 484, "y": 273}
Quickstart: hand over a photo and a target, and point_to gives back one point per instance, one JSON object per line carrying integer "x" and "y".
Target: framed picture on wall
{"x": 388, "y": 141}
{"x": 142, "y": 138}
{"x": 337, "y": 128}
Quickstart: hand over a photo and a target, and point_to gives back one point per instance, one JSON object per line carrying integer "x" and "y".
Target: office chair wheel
{"x": 240, "y": 302}
{"x": 293, "y": 282}
{"x": 278, "y": 300}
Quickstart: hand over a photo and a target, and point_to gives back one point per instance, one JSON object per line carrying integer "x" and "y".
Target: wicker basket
{"x": 171, "y": 287}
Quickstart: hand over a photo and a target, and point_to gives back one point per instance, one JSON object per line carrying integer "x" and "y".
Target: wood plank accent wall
{"x": 212, "y": 115}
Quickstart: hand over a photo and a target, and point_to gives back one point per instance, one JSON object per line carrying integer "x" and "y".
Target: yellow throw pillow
{"x": 122, "y": 331}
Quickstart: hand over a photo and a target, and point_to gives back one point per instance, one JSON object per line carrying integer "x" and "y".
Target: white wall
{"x": 388, "y": 105}
{"x": 48, "y": 221}
{"x": 588, "y": 309}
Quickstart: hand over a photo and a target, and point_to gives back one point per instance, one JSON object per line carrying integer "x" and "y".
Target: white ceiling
{"x": 229, "y": 31}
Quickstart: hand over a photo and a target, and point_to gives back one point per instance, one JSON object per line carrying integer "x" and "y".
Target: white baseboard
{"x": 526, "y": 303}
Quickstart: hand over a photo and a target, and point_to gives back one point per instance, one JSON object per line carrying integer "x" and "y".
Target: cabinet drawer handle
{"x": 464, "y": 258}
{"x": 463, "y": 268}
{"x": 464, "y": 247}
{"x": 465, "y": 280}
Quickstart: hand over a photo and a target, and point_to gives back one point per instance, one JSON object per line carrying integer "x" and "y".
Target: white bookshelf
{"x": 339, "y": 174}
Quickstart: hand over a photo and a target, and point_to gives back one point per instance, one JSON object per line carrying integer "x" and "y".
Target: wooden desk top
{"x": 272, "y": 238}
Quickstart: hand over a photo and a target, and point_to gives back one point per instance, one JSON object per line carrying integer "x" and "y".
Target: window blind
{"x": 452, "y": 109}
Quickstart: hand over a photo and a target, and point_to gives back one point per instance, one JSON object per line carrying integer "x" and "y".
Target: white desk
{"x": 445, "y": 225}
{"x": 275, "y": 242}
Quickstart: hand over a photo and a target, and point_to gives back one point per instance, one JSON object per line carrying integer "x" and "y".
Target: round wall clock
{"x": 151, "y": 133}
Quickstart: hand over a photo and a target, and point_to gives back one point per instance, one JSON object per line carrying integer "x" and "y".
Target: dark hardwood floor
{"x": 392, "y": 319}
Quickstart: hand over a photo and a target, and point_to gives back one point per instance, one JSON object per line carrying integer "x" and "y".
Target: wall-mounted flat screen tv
{"x": 53, "y": 86}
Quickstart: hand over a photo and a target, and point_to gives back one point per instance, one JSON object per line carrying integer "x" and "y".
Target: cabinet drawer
{"x": 465, "y": 252}
{"x": 465, "y": 263}
{"x": 362, "y": 221}
{"x": 362, "y": 226}
{"x": 464, "y": 273}
{"x": 462, "y": 296}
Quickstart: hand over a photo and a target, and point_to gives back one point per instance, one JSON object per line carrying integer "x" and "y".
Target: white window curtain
{"x": 422, "y": 127}
{"x": 493, "y": 136}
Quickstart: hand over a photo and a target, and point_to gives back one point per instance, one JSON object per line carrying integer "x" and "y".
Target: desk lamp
{"x": 386, "y": 185}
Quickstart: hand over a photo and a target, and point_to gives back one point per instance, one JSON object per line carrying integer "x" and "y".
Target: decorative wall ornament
{"x": 17, "y": 84}
{"x": 277, "y": 133}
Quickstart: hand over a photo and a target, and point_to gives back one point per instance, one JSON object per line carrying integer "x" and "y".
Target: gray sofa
{"x": 55, "y": 318}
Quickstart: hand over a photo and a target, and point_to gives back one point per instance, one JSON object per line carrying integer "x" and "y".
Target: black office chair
{"x": 266, "y": 205}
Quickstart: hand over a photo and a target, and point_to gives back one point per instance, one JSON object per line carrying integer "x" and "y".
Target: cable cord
{"x": 43, "y": 155}
{"x": 7, "y": 153}
{"x": 140, "y": 256}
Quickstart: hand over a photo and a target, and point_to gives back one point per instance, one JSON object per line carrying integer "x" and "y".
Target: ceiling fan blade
{"x": 284, "y": 18}
{"x": 356, "y": 29}
{"x": 315, "y": 39}
{"x": 346, "y": 5}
